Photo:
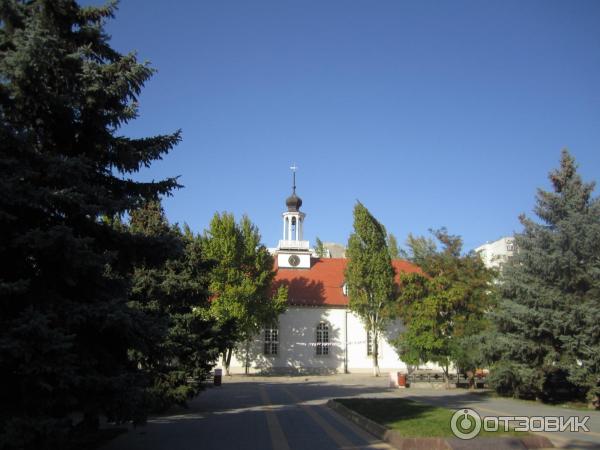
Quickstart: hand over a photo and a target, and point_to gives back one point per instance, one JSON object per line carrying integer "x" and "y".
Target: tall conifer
{"x": 548, "y": 322}
{"x": 181, "y": 345}
{"x": 65, "y": 327}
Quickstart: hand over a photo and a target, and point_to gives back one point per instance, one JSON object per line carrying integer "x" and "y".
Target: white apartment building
{"x": 495, "y": 254}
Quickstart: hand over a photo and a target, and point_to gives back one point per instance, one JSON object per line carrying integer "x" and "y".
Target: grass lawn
{"x": 410, "y": 418}
{"x": 577, "y": 405}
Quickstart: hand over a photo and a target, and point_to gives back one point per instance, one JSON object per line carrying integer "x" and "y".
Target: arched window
{"x": 271, "y": 340}
{"x": 323, "y": 338}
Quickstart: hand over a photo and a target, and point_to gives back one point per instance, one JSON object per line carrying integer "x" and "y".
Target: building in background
{"x": 495, "y": 254}
{"x": 335, "y": 250}
{"x": 317, "y": 333}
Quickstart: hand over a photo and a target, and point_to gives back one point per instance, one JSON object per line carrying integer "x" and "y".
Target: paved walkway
{"x": 289, "y": 413}
{"x": 260, "y": 414}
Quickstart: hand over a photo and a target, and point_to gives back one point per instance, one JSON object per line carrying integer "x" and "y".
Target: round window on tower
{"x": 294, "y": 260}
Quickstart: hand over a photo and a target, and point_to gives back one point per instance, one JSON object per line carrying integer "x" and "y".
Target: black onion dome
{"x": 293, "y": 202}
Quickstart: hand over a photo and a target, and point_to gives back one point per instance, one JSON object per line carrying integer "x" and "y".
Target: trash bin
{"x": 217, "y": 378}
{"x": 401, "y": 380}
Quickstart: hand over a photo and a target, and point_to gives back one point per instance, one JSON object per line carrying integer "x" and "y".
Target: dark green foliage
{"x": 443, "y": 309}
{"x": 370, "y": 276}
{"x": 181, "y": 345}
{"x": 548, "y": 322}
{"x": 65, "y": 324}
{"x": 507, "y": 379}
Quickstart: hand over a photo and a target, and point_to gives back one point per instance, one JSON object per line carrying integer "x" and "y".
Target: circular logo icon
{"x": 465, "y": 423}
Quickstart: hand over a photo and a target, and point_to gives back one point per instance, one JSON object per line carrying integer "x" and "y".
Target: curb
{"x": 403, "y": 443}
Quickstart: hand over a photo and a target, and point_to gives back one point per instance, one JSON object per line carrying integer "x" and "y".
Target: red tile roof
{"x": 321, "y": 285}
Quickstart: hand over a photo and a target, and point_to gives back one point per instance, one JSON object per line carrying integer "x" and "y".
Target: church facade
{"x": 317, "y": 333}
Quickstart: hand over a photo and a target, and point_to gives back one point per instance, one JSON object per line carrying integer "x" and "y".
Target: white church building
{"x": 317, "y": 333}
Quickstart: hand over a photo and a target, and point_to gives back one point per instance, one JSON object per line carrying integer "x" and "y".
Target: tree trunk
{"x": 227, "y": 361}
{"x": 247, "y": 358}
{"x": 446, "y": 376}
{"x": 375, "y": 354}
{"x": 471, "y": 378}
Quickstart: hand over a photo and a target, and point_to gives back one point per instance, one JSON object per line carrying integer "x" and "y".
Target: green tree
{"x": 181, "y": 343}
{"x": 370, "y": 276}
{"x": 421, "y": 249}
{"x": 320, "y": 249}
{"x": 444, "y": 307}
{"x": 393, "y": 248}
{"x": 547, "y": 341}
{"x": 65, "y": 171}
{"x": 241, "y": 280}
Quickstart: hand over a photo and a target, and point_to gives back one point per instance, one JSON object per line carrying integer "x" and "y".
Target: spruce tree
{"x": 181, "y": 345}
{"x": 370, "y": 276}
{"x": 547, "y": 341}
{"x": 66, "y": 328}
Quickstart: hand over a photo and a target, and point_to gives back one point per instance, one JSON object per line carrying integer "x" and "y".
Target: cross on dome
{"x": 293, "y": 202}
{"x": 294, "y": 168}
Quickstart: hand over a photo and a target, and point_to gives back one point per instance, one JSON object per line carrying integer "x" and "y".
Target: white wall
{"x": 297, "y": 350}
{"x": 495, "y": 254}
{"x": 283, "y": 260}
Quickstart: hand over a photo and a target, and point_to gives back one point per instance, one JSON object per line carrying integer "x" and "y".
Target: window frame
{"x": 322, "y": 339}
{"x": 271, "y": 340}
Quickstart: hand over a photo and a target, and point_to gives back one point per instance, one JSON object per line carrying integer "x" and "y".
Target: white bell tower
{"x": 293, "y": 251}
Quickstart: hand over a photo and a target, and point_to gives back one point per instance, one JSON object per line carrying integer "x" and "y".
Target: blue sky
{"x": 446, "y": 113}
